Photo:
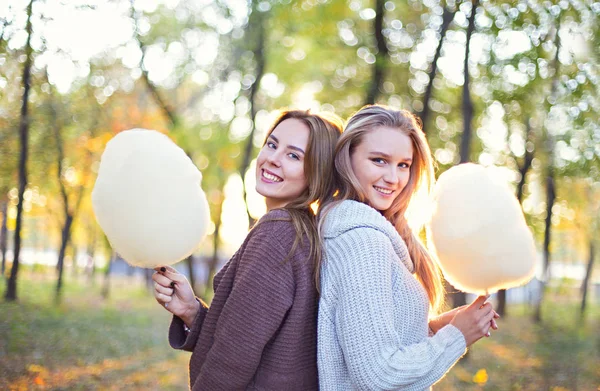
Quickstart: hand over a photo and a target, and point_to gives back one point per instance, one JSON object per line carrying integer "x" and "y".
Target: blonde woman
{"x": 260, "y": 331}
{"x": 377, "y": 282}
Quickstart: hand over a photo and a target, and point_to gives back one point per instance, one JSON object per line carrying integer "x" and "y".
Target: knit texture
{"x": 260, "y": 330}
{"x": 373, "y": 331}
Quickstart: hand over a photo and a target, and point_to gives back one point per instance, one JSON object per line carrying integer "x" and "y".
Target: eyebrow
{"x": 288, "y": 146}
{"x": 388, "y": 156}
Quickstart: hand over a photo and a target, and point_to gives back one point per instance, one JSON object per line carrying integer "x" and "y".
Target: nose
{"x": 274, "y": 159}
{"x": 391, "y": 176}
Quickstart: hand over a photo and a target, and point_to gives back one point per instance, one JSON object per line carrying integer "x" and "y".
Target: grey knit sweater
{"x": 260, "y": 330}
{"x": 373, "y": 313}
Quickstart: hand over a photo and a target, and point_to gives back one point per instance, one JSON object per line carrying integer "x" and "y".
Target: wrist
{"x": 190, "y": 314}
{"x": 434, "y": 324}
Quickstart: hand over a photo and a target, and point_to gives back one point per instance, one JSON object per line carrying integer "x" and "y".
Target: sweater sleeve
{"x": 368, "y": 334}
{"x": 262, "y": 293}
{"x": 177, "y": 336}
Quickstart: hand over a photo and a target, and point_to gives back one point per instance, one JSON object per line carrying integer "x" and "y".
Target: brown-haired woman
{"x": 260, "y": 330}
{"x": 374, "y": 330}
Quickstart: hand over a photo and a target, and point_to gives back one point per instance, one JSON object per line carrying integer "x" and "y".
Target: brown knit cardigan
{"x": 260, "y": 330}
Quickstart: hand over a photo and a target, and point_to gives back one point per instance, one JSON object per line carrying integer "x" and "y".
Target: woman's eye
{"x": 403, "y": 165}
{"x": 271, "y": 145}
{"x": 378, "y": 160}
{"x": 294, "y": 156}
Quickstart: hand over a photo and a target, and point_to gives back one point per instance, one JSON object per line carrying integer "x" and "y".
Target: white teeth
{"x": 271, "y": 177}
{"x": 384, "y": 191}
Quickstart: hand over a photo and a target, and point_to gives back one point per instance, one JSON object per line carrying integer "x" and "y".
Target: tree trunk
{"x": 523, "y": 170}
{"x": 11, "y": 290}
{"x": 61, "y": 255}
{"x": 214, "y": 261}
{"x": 467, "y": 103}
{"x": 257, "y": 19}
{"x": 4, "y": 235}
{"x": 459, "y": 298}
{"x": 550, "y": 185}
{"x": 190, "y": 265}
{"x": 106, "y": 286}
{"x": 91, "y": 251}
{"x": 585, "y": 283}
{"x": 160, "y": 101}
{"x": 381, "y": 56}
{"x": 447, "y": 18}
{"x": 550, "y": 198}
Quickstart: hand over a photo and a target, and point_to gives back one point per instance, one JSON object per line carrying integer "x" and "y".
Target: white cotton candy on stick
{"x": 479, "y": 232}
{"x": 147, "y": 199}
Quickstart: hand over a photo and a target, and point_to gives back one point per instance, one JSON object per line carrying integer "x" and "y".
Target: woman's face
{"x": 280, "y": 164}
{"x": 381, "y": 162}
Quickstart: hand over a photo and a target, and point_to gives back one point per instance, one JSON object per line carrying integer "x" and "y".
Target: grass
{"x": 87, "y": 342}
{"x": 120, "y": 343}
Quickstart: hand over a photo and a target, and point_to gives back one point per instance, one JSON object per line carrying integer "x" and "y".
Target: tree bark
{"x": 61, "y": 254}
{"x": 381, "y": 56}
{"x": 257, "y": 19}
{"x": 460, "y": 298}
{"x": 11, "y": 290}
{"x": 106, "y": 286}
{"x": 586, "y": 280}
{"x": 550, "y": 186}
{"x": 467, "y": 103}
{"x": 190, "y": 265}
{"x": 447, "y": 18}
{"x": 214, "y": 261}
{"x": 167, "y": 110}
{"x": 550, "y": 198}
{"x": 523, "y": 170}
{"x": 4, "y": 235}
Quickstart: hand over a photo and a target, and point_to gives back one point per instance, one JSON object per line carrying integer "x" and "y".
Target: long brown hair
{"x": 421, "y": 181}
{"x": 325, "y": 130}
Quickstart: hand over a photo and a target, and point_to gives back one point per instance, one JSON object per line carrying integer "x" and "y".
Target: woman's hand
{"x": 475, "y": 320}
{"x": 444, "y": 319}
{"x": 173, "y": 291}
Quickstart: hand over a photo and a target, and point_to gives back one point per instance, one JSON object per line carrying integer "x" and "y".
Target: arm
{"x": 365, "y": 325}
{"x": 174, "y": 293}
{"x": 261, "y": 296}
{"x": 180, "y": 339}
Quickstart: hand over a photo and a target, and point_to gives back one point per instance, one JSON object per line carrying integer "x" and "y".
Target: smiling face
{"x": 280, "y": 164}
{"x": 381, "y": 163}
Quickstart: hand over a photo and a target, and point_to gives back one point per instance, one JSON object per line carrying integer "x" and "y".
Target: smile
{"x": 383, "y": 191}
{"x": 271, "y": 177}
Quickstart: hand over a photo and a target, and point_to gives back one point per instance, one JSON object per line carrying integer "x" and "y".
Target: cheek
{"x": 298, "y": 175}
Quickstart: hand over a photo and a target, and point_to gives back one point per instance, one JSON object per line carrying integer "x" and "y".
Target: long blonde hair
{"x": 421, "y": 181}
{"x": 325, "y": 130}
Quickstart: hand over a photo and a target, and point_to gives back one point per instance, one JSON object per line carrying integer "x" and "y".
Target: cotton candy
{"x": 147, "y": 199}
{"x": 479, "y": 232}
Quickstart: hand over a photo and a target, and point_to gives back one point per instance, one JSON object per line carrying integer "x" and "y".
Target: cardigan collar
{"x": 348, "y": 214}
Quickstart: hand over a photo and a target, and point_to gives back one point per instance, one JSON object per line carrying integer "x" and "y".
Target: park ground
{"x": 90, "y": 343}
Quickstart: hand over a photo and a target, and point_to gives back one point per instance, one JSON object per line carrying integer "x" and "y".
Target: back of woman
{"x": 260, "y": 331}
{"x": 377, "y": 282}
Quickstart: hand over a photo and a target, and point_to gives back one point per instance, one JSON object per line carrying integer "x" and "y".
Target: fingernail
{"x": 172, "y": 284}
{"x": 163, "y": 269}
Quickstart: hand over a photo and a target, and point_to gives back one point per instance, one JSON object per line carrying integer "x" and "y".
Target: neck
{"x": 273, "y": 204}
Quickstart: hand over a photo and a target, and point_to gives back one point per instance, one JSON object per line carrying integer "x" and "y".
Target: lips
{"x": 383, "y": 191}
{"x": 268, "y": 176}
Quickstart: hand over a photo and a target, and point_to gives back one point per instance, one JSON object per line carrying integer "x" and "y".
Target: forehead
{"x": 292, "y": 131}
{"x": 387, "y": 140}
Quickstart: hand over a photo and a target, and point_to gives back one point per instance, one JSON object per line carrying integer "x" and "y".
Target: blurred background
{"x": 512, "y": 84}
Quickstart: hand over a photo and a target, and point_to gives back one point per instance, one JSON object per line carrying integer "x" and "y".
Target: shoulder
{"x": 272, "y": 236}
{"x": 276, "y": 222}
{"x": 351, "y": 215}
{"x": 359, "y": 247}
